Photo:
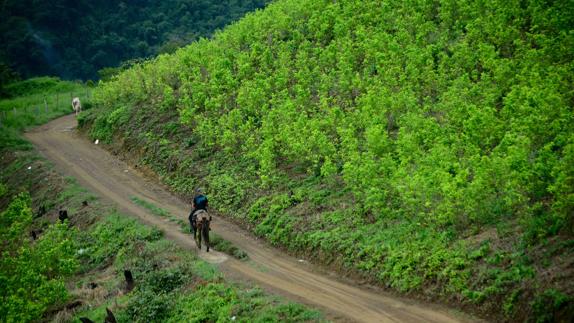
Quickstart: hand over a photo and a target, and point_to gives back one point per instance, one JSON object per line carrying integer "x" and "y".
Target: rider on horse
{"x": 199, "y": 203}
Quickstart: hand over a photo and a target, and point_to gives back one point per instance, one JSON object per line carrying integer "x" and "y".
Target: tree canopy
{"x": 75, "y": 39}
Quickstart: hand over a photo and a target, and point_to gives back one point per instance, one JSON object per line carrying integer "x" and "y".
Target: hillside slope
{"x": 425, "y": 145}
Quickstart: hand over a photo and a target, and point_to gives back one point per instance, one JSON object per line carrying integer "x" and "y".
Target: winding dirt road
{"x": 114, "y": 181}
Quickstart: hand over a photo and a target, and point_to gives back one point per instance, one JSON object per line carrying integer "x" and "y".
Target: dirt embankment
{"x": 296, "y": 279}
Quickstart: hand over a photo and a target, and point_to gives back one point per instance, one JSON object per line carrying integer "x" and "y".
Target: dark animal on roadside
{"x": 63, "y": 215}
{"x": 203, "y": 221}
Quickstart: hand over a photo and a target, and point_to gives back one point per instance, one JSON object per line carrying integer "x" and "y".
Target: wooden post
{"x": 45, "y": 104}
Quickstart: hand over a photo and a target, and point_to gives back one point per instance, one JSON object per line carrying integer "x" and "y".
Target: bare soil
{"x": 297, "y": 279}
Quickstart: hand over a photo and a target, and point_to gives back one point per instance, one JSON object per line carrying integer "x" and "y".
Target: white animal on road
{"x": 76, "y": 105}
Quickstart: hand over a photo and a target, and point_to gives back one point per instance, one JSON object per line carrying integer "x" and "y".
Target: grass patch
{"x": 220, "y": 244}
{"x": 155, "y": 210}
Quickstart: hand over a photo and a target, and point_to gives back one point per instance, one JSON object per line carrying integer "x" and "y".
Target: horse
{"x": 76, "y": 105}
{"x": 203, "y": 221}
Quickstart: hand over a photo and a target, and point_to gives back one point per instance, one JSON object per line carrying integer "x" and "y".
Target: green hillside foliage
{"x": 428, "y": 145}
{"x": 74, "y": 39}
{"x": 32, "y": 274}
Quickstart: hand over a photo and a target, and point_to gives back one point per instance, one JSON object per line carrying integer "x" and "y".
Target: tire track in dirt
{"x": 114, "y": 181}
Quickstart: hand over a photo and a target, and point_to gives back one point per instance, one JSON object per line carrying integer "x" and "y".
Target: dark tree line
{"x": 75, "y": 39}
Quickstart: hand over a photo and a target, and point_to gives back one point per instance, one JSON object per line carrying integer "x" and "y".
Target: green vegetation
{"x": 75, "y": 269}
{"x": 427, "y": 145}
{"x": 34, "y": 102}
{"x": 75, "y": 39}
{"x": 32, "y": 273}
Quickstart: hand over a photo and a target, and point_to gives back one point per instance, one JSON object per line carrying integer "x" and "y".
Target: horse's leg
{"x": 206, "y": 235}
{"x": 192, "y": 229}
{"x": 199, "y": 235}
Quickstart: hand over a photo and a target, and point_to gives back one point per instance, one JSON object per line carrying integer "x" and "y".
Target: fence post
{"x": 45, "y": 104}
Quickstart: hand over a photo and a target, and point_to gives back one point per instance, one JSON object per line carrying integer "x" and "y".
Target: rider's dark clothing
{"x": 200, "y": 202}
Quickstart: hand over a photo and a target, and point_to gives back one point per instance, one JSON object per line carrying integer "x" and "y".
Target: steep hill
{"x": 424, "y": 145}
{"x": 74, "y": 39}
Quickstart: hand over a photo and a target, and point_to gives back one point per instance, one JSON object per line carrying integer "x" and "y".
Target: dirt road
{"x": 296, "y": 279}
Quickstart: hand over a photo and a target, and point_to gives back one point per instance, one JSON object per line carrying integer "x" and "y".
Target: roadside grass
{"x": 217, "y": 242}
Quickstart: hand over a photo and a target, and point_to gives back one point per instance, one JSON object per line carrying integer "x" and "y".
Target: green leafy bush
{"x": 118, "y": 232}
{"x": 32, "y": 274}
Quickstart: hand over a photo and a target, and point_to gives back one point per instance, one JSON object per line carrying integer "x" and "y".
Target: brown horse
{"x": 203, "y": 221}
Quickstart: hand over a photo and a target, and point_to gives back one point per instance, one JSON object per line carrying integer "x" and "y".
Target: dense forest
{"x": 426, "y": 145}
{"x": 75, "y": 39}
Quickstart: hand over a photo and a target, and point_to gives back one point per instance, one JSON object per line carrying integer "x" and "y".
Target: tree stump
{"x": 63, "y": 215}
{"x": 110, "y": 318}
{"x": 129, "y": 280}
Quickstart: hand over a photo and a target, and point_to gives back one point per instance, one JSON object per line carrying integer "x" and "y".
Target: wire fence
{"x": 43, "y": 105}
